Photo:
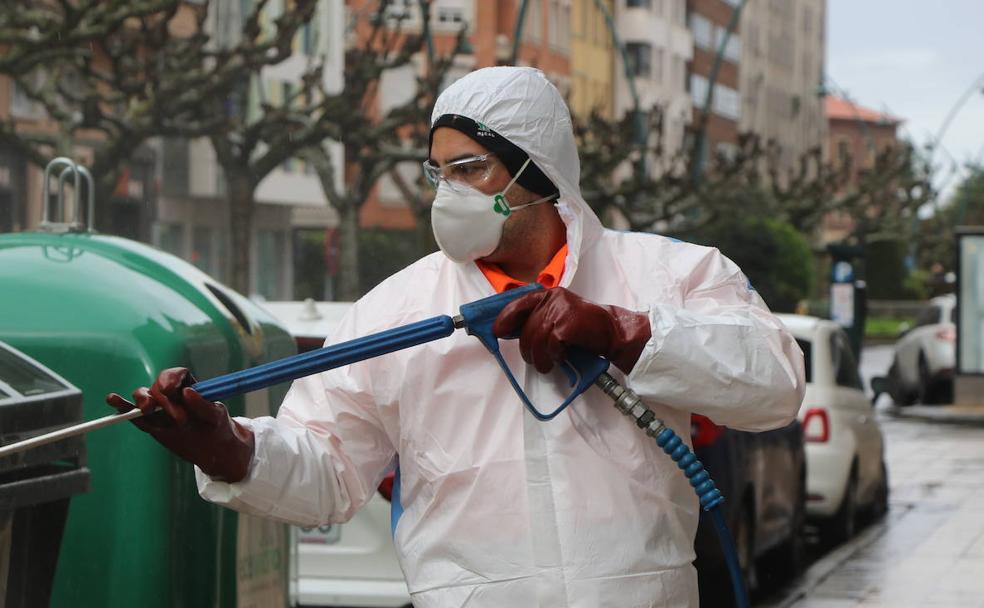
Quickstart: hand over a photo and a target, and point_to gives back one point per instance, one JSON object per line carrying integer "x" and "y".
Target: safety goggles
{"x": 472, "y": 172}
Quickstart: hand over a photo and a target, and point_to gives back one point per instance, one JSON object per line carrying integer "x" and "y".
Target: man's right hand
{"x": 197, "y": 430}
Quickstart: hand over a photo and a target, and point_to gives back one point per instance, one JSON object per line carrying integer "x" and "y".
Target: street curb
{"x": 822, "y": 568}
{"x": 942, "y": 414}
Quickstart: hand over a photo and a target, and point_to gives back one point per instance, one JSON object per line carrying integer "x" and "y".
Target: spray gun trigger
{"x": 581, "y": 367}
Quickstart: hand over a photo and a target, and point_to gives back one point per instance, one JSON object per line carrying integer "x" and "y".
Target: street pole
{"x": 518, "y": 31}
{"x": 700, "y": 141}
{"x": 977, "y": 84}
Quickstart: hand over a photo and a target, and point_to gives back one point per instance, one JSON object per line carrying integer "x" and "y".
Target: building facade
{"x": 855, "y": 135}
{"x": 593, "y": 59}
{"x": 653, "y": 72}
{"x": 782, "y": 65}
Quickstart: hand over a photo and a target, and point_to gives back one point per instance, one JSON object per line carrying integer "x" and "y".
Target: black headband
{"x": 511, "y": 155}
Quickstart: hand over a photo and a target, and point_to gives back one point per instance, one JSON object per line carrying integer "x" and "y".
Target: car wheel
{"x": 927, "y": 395}
{"x": 898, "y": 393}
{"x": 842, "y": 525}
{"x": 879, "y": 506}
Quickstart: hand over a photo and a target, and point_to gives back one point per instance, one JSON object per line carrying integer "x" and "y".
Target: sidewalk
{"x": 952, "y": 414}
{"x": 929, "y": 550}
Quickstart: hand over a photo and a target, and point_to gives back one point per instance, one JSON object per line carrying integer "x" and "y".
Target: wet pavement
{"x": 929, "y": 549}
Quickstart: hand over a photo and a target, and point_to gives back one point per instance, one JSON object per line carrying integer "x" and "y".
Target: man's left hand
{"x": 551, "y": 320}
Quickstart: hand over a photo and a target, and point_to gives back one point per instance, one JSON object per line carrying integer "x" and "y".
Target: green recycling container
{"x": 107, "y": 314}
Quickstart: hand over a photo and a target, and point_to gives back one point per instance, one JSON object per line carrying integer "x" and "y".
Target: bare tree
{"x": 118, "y": 73}
{"x": 881, "y": 201}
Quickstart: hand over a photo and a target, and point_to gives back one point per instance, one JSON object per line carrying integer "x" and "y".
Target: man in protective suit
{"x": 499, "y": 508}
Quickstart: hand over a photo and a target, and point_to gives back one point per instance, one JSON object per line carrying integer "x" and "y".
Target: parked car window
{"x": 807, "y": 347}
{"x": 844, "y": 363}
{"x": 928, "y": 316}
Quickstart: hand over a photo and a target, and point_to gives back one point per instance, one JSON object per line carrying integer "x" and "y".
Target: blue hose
{"x": 710, "y": 499}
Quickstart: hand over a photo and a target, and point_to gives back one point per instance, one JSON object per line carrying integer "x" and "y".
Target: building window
{"x": 308, "y": 39}
{"x": 843, "y": 149}
{"x": 727, "y": 150}
{"x": 703, "y": 31}
{"x": 638, "y": 3}
{"x": 698, "y": 90}
{"x": 450, "y": 15}
{"x": 732, "y": 50}
{"x": 640, "y": 58}
{"x": 727, "y": 102}
{"x": 401, "y": 10}
{"x": 21, "y": 105}
{"x": 396, "y": 87}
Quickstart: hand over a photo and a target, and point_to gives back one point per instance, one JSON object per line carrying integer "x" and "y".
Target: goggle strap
{"x": 516, "y": 177}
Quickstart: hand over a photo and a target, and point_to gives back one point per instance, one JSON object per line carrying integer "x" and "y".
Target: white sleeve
{"x": 319, "y": 460}
{"x": 721, "y": 353}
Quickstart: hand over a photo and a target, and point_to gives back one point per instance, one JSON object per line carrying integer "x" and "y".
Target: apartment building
{"x": 782, "y": 63}
{"x": 855, "y": 134}
{"x": 658, "y": 47}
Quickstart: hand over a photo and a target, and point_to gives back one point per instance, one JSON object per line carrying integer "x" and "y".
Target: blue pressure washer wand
{"x": 476, "y": 318}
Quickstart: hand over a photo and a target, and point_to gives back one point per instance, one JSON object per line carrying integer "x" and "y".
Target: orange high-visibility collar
{"x": 548, "y": 277}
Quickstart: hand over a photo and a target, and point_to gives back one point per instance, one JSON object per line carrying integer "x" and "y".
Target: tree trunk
{"x": 240, "y": 199}
{"x": 349, "y": 288}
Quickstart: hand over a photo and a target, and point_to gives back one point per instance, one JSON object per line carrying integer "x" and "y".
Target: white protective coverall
{"x": 502, "y": 510}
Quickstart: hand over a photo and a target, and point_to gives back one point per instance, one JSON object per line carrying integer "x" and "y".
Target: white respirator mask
{"x": 467, "y": 223}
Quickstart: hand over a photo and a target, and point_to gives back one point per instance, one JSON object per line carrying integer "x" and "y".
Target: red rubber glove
{"x": 197, "y": 430}
{"x": 551, "y": 320}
